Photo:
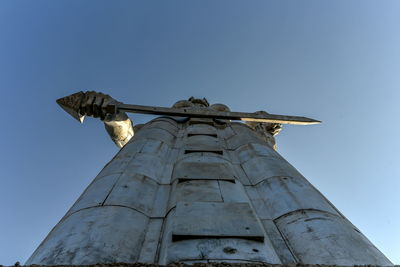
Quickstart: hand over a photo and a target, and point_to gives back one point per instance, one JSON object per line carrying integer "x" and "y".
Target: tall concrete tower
{"x": 199, "y": 188}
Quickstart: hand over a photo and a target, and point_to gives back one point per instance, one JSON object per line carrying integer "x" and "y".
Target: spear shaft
{"x": 207, "y": 113}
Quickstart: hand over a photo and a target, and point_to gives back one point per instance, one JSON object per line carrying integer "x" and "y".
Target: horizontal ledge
{"x": 177, "y": 237}
{"x": 182, "y": 180}
{"x": 219, "y": 152}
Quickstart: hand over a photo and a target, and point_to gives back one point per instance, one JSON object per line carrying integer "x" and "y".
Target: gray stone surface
{"x": 283, "y": 194}
{"x": 230, "y": 250}
{"x": 200, "y": 190}
{"x": 322, "y": 238}
{"x": 195, "y": 191}
{"x": 94, "y": 235}
{"x": 135, "y": 191}
{"x": 148, "y": 253}
{"x": 202, "y": 143}
{"x": 96, "y": 193}
{"x": 204, "y": 263}
{"x": 203, "y": 167}
{"x": 204, "y": 129}
{"x": 208, "y": 219}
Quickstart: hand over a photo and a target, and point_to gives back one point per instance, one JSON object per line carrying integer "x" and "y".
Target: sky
{"x": 335, "y": 61}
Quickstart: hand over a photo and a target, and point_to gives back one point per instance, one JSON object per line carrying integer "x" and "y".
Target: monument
{"x": 198, "y": 184}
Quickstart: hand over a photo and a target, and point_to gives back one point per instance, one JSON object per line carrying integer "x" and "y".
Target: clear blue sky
{"x": 337, "y": 61}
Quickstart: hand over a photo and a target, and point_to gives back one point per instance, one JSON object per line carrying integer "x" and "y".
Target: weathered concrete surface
{"x": 209, "y": 264}
{"x": 200, "y": 190}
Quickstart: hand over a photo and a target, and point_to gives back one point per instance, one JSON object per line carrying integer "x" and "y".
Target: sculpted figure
{"x": 195, "y": 189}
{"x": 266, "y": 130}
{"x": 118, "y": 125}
{"x": 121, "y": 129}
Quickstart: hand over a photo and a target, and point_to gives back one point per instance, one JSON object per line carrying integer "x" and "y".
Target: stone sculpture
{"x": 189, "y": 189}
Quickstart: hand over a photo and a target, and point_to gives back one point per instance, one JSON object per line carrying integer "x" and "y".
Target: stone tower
{"x": 203, "y": 190}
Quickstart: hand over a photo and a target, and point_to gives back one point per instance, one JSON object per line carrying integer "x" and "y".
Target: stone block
{"x": 317, "y": 237}
{"x": 135, "y": 191}
{"x": 207, "y": 219}
{"x": 94, "y": 235}
{"x": 286, "y": 194}
{"x": 96, "y": 193}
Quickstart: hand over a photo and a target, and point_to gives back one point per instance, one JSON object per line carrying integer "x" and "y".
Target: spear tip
{"x": 71, "y": 105}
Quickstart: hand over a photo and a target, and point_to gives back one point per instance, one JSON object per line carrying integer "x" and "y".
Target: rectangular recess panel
{"x": 182, "y": 180}
{"x": 195, "y": 191}
{"x": 208, "y": 168}
{"x": 193, "y": 121}
{"x": 203, "y": 143}
{"x": 219, "y": 152}
{"x": 194, "y": 134}
{"x": 204, "y": 129}
{"x": 194, "y": 220}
